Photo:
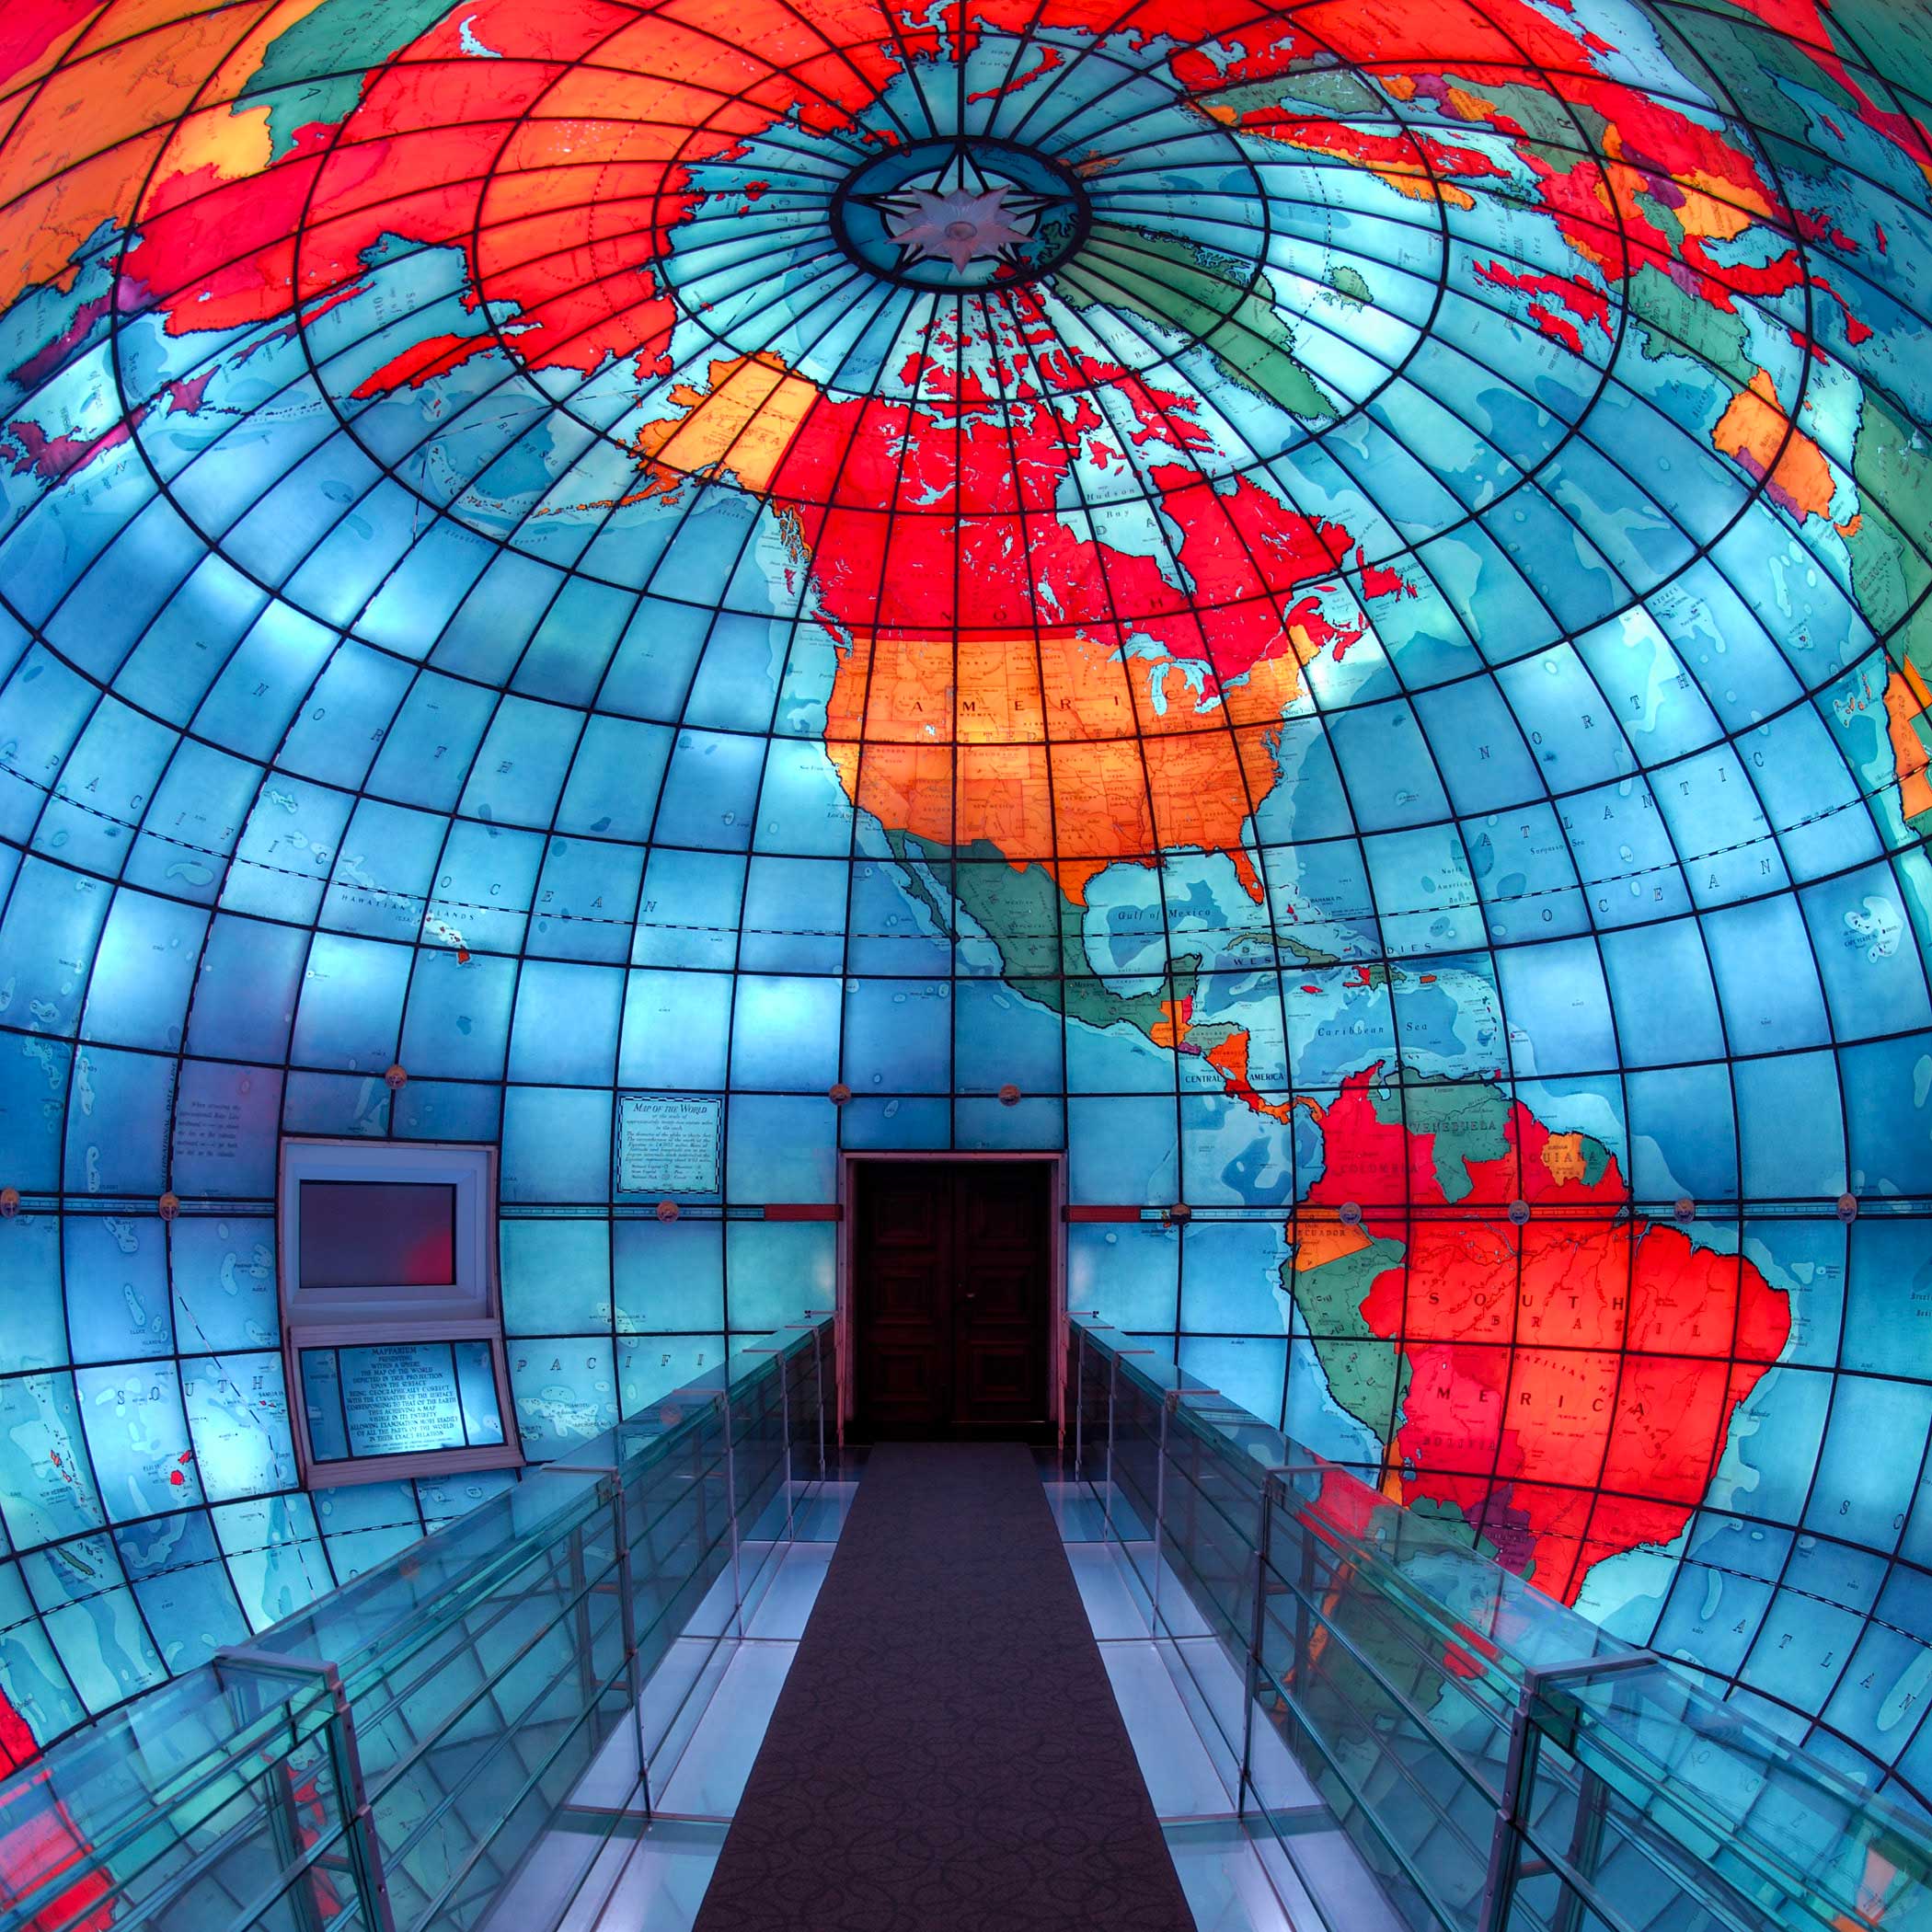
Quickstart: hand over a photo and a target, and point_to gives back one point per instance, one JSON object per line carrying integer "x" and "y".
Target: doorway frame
{"x": 844, "y": 1328}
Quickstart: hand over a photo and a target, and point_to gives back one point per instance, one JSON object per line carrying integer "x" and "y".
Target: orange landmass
{"x": 1076, "y": 805}
{"x": 743, "y": 421}
{"x": 1317, "y": 1243}
{"x": 1755, "y": 429}
{"x": 1169, "y": 1032}
{"x": 1906, "y": 701}
{"x": 1563, "y": 1157}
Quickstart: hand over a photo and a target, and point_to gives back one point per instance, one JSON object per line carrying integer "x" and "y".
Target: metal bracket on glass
{"x": 366, "y": 1853}
{"x": 1500, "y": 1884}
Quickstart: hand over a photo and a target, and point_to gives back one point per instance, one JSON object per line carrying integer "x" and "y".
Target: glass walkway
{"x": 545, "y": 1715}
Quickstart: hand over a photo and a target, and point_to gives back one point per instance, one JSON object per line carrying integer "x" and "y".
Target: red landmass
{"x": 1573, "y": 1379}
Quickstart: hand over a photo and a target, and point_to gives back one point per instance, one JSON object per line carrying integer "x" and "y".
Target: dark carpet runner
{"x": 946, "y": 1752}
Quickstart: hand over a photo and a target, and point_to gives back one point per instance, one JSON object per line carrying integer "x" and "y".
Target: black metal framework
{"x": 95, "y": 817}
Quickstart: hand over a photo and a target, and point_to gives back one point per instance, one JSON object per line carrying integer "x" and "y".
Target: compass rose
{"x": 964, "y": 213}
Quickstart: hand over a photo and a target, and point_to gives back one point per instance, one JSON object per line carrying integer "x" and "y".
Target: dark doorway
{"x": 951, "y": 1295}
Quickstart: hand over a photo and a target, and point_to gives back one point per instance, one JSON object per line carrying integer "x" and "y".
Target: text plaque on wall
{"x": 669, "y": 1144}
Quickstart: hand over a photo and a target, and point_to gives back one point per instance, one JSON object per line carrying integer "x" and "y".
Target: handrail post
{"x": 1519, "y": 1770}
{"x": 731, "y": 1468}
{"x": 285, "y": 1823}
{"x": 818, "y": 1372}
{"x": 785, "y": 1425}
{"x": 1257, "y": 1630}
{"x": 580, "y": 1592}
{"x": 1079, "y": 1398}
{"x": 365, "y": 1849}
{"x": 628, "y": 1614}
{"x": 1113, "y": 1383}
{"x": 1170, "y": 1402}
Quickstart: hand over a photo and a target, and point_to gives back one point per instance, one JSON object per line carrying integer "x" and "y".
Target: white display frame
{"x": 469, "y": 1310}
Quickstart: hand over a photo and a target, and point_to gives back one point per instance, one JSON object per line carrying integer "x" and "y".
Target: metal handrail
{"x": 1587, "y": 1807}
{"x": 244, "y": 1781}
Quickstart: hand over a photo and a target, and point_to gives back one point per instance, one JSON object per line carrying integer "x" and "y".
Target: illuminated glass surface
{"x": 1323, "y": 608}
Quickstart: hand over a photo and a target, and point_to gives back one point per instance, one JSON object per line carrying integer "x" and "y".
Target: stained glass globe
{"x": 1332, "y": 597}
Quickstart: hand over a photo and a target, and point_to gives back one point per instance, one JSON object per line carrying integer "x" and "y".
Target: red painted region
{"x": 1657, "y": 156}
{"x": 1573, "y": 1380}
{"x": 30, "y": 28}
{"x": 560, "y": 181}
{"x": 1048, "y": 59}
{"x": 919, "y": 519}
{"x": 1409, "y": 154}
{"x": 433, "y": 356}
{"x": 1577, "y": 296}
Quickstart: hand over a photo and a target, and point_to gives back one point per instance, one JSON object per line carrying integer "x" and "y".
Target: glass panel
{"x": 1494, "y": 1761}
{"x": 464, "y": 1685}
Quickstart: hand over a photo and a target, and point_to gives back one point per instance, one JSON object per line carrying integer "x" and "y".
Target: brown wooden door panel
{"x": 952, "y": 1272}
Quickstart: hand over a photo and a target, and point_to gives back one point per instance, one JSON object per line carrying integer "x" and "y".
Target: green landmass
{"x": 1685, "y": 325}
{"x": 1347, "y": 285}
{"x": 1180, "y": 286}
{"x": 1037, "y": 933}
{"x": 1760, "y": 69}
{"x": 1310, "y": 955}
{"x": 313, "y": 71}
{"x": 1466, "y": 1120}
{"x": 1892, "y": 467}
{"x": 1367, "y": 1376}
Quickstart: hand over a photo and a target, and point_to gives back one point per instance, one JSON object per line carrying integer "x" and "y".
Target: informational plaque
{"x": 399, "y": 1397}
{"x": 669, "y": 1145}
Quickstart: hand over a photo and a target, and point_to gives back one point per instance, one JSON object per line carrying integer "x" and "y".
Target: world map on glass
{"x": 1320, "y": 608}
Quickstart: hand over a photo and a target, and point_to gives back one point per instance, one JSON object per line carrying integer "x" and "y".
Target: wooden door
{"x": 952, "y": 1272}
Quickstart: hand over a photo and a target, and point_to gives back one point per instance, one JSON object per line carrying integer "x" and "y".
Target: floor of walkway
{"x": 947, "y": 1751}
{"x": 1185, "y": 1702}
{"x": 707, "y": 1709}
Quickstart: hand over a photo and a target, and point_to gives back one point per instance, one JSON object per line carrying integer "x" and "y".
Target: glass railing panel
{"x": 1496, "y": 1762}
{"x": 383, "y": 1760}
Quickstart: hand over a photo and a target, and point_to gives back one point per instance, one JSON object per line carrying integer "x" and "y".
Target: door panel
{"x": 1002, "y": 1270}
{"x": 903, "y": 1258}
{"x": 951, "y": 1295}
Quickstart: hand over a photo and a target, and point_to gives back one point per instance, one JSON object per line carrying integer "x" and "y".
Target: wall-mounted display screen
{"x": 399, "y": 1399}
{"x": 377, "y": 1234}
